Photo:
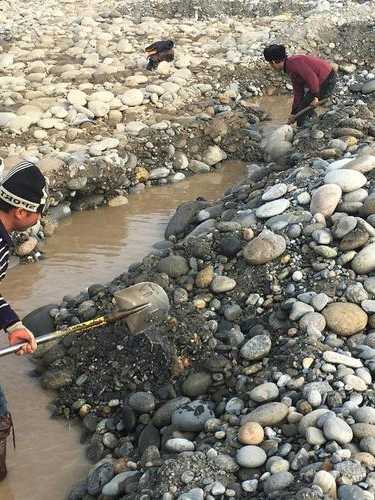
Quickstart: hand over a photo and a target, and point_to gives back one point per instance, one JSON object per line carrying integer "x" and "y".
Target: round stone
{"x": 251, "y": 433}
{"x": 325, "y": 199}
{"x": 338, "y": 430}
{"x": 344, "y": 318}
{"x": 348, "y": 180}
{"x": 264, "y": 392}
{"x": 133, "y": 97}
{"x": 192, "y": 417}
{"x": 364, "y": 261}
{"x": 256, "y": 348}
{"x": 221, "y": 284}
{"x": 174, "y": 266}
{"x": 251, "y": 456}
{"x": 264, "y": 248}
{"x": 142, "y": 402}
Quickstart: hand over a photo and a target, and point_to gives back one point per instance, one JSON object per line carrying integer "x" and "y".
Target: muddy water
{"x": 90, "y": 247}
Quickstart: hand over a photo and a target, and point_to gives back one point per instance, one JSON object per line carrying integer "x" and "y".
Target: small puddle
{"x": 90, "y": 247}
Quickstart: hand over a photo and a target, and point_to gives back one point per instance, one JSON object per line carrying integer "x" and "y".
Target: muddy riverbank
{"x": 49, "y": 458}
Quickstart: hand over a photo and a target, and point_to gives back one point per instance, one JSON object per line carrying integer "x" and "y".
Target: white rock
{"x": 99, "y": 108}
{"x": 133, "y": 97}
{"x": 348, "y": 180}
{"x": 76, "y": 97}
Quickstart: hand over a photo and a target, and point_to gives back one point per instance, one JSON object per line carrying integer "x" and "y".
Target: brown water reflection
{"x": 90, "y": 247}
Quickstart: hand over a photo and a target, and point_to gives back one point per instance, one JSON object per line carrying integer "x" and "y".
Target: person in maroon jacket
{"x": 312, "y": 78}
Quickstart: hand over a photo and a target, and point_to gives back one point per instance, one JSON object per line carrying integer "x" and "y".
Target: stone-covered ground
{"x": 259, "y": 384}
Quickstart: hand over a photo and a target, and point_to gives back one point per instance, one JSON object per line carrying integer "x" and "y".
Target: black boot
{"x": 6, "y": 425}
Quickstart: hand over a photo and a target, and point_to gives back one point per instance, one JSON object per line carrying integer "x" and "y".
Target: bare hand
{"x": 23, "y": 335}
{"x": 314, "y": 102}
{"x": 291, "y": 119}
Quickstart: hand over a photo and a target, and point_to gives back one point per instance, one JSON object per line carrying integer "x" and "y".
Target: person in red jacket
{"x": 313, "y": 79}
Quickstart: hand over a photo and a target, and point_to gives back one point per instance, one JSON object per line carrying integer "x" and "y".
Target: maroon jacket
{"x": 306, "y": 71}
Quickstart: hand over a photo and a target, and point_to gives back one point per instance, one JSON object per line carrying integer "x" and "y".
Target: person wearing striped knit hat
{"x": 23, "y": 199}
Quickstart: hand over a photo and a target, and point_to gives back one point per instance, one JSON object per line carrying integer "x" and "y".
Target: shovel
{"x": 137, "y": 305}
{"x": 304, "y": 110}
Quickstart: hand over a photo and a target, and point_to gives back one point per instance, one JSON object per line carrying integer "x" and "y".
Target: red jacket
{"x": 306, "y": 71}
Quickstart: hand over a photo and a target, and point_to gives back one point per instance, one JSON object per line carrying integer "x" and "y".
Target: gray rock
{"x": 251, "y": 456}
{"x": 264, "y": 248}
{"x": 98, "y": 477}
{"x": 192, "y": 416}
{"x": 348, "y": 180}
{"x": 114, "y": 487}
{"x": 264, "y": 392}
{"x": 278, "y": 482}
{"x": 338, "y": 430}
{"x": 173, "y": 266}
{"x": 353, "y": 492}
{"x": 179, "y": 445}
{"x": 222, "y": 284}
{"x": 274, "y": 192}
{"x": 272, "y": 208}
{"x": 299, "y": 309}
{"x": 267, "y": 414}
{"x": 356, "y": 293}
{"x": 256, "y": 348}
{"x": 194, "y": 494}
{"x": 183, "y": 217}
{"x": 196, "y": 384}
{"x": 341, "y": 359}
{"x": 142, "y": 402}
{"x": 163, "y": 415}
{"x": 365, "y": 414}
{"x": 368, "y": 87}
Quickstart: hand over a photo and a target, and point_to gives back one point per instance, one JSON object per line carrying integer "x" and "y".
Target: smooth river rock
{"x": 345, "y": 318}
{"x": 264, "y": 248}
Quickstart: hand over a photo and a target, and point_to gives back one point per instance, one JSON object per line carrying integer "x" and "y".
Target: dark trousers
{"x": 155, "y": 59}
{"x": 326, "y": 89}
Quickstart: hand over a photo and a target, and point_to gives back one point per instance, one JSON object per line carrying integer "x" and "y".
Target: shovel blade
{"x": 141, "y": 293}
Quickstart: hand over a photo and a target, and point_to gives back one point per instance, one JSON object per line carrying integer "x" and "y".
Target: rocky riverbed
{"x": 75, "y": 95}
{"x": 259, "y": 384}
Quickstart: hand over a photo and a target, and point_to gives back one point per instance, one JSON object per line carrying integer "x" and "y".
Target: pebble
{"x": 251, "y": 456}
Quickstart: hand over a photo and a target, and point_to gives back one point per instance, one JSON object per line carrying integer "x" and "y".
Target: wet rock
{"x": 117, "y": 485}
{"x": 27, "y": 247}
{"x": 173, "y": 266}
{"x": 56, "y": 378}
{"x": 98, "y": 477}
{"x": 214, "y": 155}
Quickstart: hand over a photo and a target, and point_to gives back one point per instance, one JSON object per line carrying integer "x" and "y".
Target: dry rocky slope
{"x": 259, "y": 384}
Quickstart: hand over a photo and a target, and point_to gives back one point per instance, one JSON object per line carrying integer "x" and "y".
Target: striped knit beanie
{"x": 25, "y": 187}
